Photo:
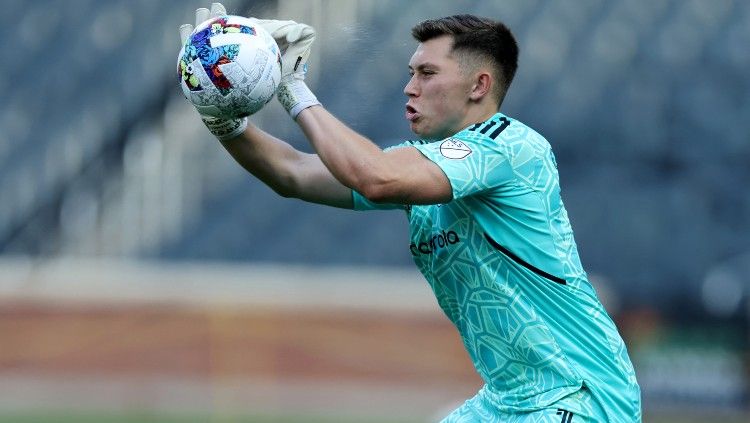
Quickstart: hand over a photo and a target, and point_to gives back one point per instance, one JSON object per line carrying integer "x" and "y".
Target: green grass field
{"x": 68, "y": 417}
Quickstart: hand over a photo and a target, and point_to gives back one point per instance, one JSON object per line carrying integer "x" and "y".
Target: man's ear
{"x": 482, "y": 85}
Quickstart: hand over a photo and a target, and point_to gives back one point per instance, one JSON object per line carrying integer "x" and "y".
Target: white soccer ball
{"x": 229, "y": 67}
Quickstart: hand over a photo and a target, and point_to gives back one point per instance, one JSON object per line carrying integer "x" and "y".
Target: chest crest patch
{"x": 455, "y": 149}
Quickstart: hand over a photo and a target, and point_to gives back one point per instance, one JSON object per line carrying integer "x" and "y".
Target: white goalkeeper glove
{"x": 295, "y": 41}
{"x": 223, "y": 129}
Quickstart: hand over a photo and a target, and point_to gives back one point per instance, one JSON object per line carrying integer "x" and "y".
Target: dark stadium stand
{"x": 646, "y": 104}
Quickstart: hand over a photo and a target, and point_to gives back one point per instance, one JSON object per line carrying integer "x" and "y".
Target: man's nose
{"x": 411, "y": 88}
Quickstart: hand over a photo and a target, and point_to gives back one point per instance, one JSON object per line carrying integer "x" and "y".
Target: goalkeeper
{"x": 488, "y": 227}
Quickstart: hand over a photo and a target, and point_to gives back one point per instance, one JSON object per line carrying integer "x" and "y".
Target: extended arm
{"x": 289, "y": 172}
{"x": 346, "y": 160}
{"x": 401, "y": 176}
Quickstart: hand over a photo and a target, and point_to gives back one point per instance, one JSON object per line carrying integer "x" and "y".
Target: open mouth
{"x": 411, "y": 113}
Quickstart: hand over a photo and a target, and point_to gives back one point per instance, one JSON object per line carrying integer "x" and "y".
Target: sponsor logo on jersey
{"x": 436, "y": 241}
{"x": 455, "y": 149}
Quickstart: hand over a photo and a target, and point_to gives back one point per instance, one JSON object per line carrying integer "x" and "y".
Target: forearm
{"x": 399, "y": 176}
{"x": 353, "y": 159}
{"x": 267, "y": 158}
{"x": 289, "y": 172}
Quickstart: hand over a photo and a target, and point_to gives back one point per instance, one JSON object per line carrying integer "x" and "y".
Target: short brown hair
{"x": 481, "y": 36}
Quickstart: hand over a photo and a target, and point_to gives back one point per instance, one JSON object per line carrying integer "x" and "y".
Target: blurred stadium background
{"x": 145, "y": 277}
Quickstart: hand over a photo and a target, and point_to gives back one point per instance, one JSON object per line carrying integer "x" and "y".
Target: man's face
{"x": 438, "y": 91}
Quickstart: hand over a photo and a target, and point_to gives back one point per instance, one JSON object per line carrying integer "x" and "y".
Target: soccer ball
{"x": 229, "y": 67}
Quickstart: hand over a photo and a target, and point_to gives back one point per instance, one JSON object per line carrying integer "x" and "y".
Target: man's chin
{"x": 418, "y": 130}
{"x": 423, "y": 135}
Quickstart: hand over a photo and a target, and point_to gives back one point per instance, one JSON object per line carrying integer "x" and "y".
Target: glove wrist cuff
{"x": 225, "y": 129}
{"x": 295, "y": 96}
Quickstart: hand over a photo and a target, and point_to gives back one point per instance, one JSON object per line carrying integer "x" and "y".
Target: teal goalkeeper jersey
{"x": 504, "y": 267}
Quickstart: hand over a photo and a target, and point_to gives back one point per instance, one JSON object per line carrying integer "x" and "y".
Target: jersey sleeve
{"x": 472, "y": 163}
{"x": 361, "y": 203}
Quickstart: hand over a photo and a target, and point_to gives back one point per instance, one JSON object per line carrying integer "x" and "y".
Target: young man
{"x": 488, "y": 228}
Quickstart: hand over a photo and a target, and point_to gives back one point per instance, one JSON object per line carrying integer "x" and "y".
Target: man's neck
{"x": 479, "y": 114}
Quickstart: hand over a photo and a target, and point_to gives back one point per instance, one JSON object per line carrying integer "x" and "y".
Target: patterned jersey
{"x": 503, "y": 264}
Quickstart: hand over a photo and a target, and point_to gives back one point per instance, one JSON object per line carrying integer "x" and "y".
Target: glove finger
{"x": 299, "y": 48}
{"x": 185, "y": 31}
{"x": 293, "y": 34}
{"x": 201, "y": 15}
{"x": 218, "y": 9}
{"x": 277, "y": 29}
{"x": 299, "y": 32}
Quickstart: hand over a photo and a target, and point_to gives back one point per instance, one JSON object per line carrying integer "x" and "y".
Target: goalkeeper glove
{"x": 223, "y": 129}
{"x": 295, "y": 41}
